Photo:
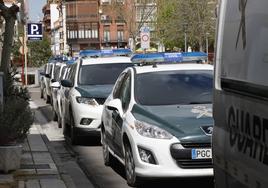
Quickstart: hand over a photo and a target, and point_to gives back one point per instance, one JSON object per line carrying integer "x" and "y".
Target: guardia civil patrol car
{"x": 86, "y": 87}
{"x": 158, "y": 119}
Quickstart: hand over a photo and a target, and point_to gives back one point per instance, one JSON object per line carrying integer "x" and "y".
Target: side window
{"x": 63, "y": 72}
{"x": 117, "y": 85}
{"x": 125, "y": 92}
{"x": 72, "y": 72}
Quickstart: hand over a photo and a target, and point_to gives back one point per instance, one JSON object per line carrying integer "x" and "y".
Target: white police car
{"x": 89, "y": 82}
{"x": 158, "y": 120}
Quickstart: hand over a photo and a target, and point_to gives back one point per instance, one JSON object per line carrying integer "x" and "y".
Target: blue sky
{"x": 35, "y": 9}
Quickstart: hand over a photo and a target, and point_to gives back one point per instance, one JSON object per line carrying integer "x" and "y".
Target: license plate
{"x": 201, "y": 153}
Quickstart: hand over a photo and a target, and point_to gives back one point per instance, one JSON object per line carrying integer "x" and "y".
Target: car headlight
{"x": 151, "y": 131}
{"x": 89, "y": 101}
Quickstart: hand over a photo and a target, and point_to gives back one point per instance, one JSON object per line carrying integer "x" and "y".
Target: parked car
{"x": 58, "y": 92}
{"x": 52, "y": 67}
{"x": 42, "y": 80}
{"x": 87, "y": 86}
{"x": 55, "y": 86}
{"x": 158, "y": 121}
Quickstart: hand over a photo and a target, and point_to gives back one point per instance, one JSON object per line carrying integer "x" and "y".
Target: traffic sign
{"x": 34, "y": 31}
{"x": 145, "y": 37}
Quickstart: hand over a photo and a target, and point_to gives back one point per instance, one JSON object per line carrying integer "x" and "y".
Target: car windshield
{"x": 101, "y": 74}
{"x": 174, "y": 87}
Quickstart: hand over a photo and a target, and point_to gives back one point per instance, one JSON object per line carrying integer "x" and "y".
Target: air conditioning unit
{"x": 103, "y": 17}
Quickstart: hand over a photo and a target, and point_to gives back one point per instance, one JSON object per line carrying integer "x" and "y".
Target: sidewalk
{"x": 37, "y": 170}
{"x": 40, "y": 164}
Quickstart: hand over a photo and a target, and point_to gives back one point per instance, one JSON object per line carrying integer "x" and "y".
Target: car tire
{"x": 59, "y": 122}
{"x": 132, "y": 179}
{"x": 73, "y": 137}
{"x": 42, "y": 93}
{"x": 55, "y": 116}
{"x": 47, "y": 99}
{"x": 64, "y": 128}
{"x": 107, "y": 157}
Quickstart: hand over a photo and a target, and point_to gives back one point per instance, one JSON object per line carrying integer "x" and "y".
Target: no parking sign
{"x": 145, "y": 37}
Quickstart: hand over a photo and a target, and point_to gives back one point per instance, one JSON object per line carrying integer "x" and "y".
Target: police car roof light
{"x": 170, "y": 57}
{"x": 122, "y": 52}
{"x": 148, "y": 58}
{"x": 89, "y": 53}
{"x": 194, "y": 56}
{"x": 104, "y": 53}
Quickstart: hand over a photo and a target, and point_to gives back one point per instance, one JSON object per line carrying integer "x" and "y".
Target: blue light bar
{"x": 69, "y": 62}
{"x": 148, "y": 58}
{"x": 104, "y": 53}
{"x": 122, "y": 52}
{"x": 169, "y": 57}
{"x": 90, "y": 53}
{"x": 173, "y": 57}
{"x": 194, "y": 56}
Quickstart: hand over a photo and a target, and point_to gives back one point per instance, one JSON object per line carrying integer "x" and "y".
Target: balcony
{"x": 47, "y": 18}
{"x": 46, "y": 8}
{"x": 120, "y": 22}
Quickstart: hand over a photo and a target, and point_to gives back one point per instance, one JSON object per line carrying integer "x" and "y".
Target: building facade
{"x": 97, "y": 24}
{"x": 82, "y": 25}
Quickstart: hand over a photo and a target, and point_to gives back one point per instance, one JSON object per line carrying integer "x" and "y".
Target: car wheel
{"x": 72, "y": 133}
{"x": 132, "y": 178}
{"x": 59, "y": 122}
{"x": 107, "y": 157}
{"x": 47, "y": 99}
{"x": 55, "y": 116}
{"x": 42, "y": 93}
{"x": 64, "y": 128}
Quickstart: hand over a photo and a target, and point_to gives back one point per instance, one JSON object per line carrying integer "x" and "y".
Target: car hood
{"x": 189, "y": 123}
{"x": 95, "y": 91}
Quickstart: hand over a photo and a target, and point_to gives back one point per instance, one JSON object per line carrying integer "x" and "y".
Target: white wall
{"x": 54, "y": 14}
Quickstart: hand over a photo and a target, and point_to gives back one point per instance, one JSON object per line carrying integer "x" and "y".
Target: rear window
{"x": 174, "y": 87}
{"x": 101, "y": 74}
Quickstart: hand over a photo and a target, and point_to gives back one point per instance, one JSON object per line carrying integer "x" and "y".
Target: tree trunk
{"x": 7, "y": 45}
{"x": 9, "y": 15}
{"x": 200, "y": 44}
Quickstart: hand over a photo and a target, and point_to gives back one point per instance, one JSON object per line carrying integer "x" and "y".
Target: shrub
{"x": 16, "y": 117}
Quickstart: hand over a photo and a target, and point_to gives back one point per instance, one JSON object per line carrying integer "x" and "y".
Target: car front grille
{"x": 196, "y": 145}
{"x": 190, "y": 163}
{"x": 183, "y": 155}
{"x": 100, "y": 100}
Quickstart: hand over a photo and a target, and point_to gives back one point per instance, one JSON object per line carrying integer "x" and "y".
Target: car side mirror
{"x": 47, "y": 76}
{"x": 55, "y": 85}
{"x": 115, "y": 105}
{"x": 42, "y": 73}
{"x": 67, "y": 83}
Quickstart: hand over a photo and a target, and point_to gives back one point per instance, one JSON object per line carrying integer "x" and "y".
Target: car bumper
{"x": 93, "y": 113}
{"x": 166, "y": 166}
{"x": 84, "y": 132}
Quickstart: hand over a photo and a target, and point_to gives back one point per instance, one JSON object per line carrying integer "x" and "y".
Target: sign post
{"x": 145, "y": 37}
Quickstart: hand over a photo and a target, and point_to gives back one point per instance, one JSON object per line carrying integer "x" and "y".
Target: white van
{"x": 240, "y": 136}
